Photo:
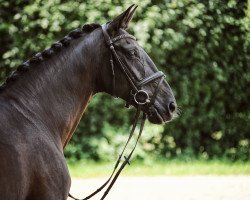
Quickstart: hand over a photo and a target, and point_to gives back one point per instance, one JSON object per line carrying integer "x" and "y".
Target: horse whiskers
{"x": 178, "y": 111}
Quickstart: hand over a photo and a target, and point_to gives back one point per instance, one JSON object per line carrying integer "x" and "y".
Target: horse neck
{"x": 55, "y": 92}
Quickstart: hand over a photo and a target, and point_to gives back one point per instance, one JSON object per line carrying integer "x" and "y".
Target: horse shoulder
{"x": 32, "y": 167}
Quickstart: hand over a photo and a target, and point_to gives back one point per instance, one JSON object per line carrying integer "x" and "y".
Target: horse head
{"x": 128, "y": 72}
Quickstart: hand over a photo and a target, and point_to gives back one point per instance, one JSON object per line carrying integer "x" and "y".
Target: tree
{"x": 202, "y": 46}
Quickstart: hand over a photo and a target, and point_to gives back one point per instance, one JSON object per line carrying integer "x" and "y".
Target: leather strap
{"x": 150, "y": 78}
{"x": 126, "y": 72}
{"x": 125, "y": 162}
{"x": 126, "y": 159}
{"x": 110, "y": 41}
{"x": 152, "y": 100}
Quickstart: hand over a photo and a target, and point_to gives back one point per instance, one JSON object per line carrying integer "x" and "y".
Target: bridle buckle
{"x": 141, "y": 97}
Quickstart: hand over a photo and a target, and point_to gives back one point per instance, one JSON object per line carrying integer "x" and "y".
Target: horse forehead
{"x": 127, "y": 43}
{"x": 123, "y": 32}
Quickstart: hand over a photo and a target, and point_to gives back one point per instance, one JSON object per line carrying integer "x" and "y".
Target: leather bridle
{"x": 137, "y": 90}
{"x": 136, "y": 93}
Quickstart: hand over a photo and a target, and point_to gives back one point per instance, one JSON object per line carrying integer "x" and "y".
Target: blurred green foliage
{"x": 203, "y": 46}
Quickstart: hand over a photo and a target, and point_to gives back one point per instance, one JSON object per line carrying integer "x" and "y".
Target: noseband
{"x": 135, "y": 95}
{"x": 137, "y": 90}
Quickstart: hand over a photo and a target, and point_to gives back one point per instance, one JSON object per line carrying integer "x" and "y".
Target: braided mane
{"x": 46, "y": 54}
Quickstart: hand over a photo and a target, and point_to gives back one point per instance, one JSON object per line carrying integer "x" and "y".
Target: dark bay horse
{"x": 42, "y": 102}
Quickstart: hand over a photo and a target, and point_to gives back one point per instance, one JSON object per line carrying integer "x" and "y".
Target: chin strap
{"x": 113, "y": 177}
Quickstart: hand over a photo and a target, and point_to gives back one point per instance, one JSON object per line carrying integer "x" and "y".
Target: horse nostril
{"x": 172, "y": 107}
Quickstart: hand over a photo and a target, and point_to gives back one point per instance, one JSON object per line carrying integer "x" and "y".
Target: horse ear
{"x": 123, "y": 19}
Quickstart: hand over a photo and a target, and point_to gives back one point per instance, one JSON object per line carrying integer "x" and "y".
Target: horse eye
{"x": 132, "y": 53}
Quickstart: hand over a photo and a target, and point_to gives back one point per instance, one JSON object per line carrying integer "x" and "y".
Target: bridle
{"x": 136, "y": 93}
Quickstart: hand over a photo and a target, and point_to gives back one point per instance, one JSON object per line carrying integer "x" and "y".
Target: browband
{"x": 110, "y": 41}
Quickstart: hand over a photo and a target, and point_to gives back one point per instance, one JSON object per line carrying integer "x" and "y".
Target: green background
{"x": 202, "y": 46}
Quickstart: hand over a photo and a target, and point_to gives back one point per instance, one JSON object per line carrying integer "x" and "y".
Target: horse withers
{"x": 42, "y": 102}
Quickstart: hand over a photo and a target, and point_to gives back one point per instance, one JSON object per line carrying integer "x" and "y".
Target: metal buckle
{"x": 143, "y": 93}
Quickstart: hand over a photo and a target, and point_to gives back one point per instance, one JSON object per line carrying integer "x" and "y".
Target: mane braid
{"x": 56, "y": 47}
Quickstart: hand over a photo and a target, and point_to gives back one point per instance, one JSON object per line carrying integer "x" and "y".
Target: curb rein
{"x": 135, "y": 93}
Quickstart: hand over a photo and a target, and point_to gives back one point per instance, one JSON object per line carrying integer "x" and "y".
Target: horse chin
{"x": 155, "y": 119}
{"x": 155, "y": 116}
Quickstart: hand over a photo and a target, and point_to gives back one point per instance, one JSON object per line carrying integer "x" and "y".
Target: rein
{"x": 135, "y": 93}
